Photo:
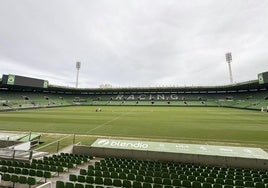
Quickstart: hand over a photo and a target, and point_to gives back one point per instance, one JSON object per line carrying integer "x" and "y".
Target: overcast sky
{"x": 134, "y": 42}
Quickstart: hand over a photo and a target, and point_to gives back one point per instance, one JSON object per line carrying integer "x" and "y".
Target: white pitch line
{"x": 101, "y": 125}
{"x": 53, "y": 142}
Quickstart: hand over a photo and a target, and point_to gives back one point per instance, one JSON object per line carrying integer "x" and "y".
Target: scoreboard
{"x": 15, "y": 80}
{"x": 263, "y": 78}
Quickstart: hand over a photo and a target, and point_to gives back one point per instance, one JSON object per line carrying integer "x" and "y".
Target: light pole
{"x": 228, "y": 57}
{"x": 78, "y": 66}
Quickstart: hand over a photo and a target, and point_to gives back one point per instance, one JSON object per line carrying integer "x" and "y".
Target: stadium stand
{"x": 248, "y": 95}
{"x": 118, "y": 172}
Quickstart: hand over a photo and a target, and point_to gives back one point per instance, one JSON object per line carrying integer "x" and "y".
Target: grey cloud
{"x": 134, "y": 43}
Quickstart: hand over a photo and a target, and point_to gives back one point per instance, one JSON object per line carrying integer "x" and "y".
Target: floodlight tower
{"x": 78, "y": 66}
{"x": 228, "y": 57}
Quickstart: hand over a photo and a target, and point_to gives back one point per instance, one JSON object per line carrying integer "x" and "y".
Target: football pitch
{"x": 174, "y": 124}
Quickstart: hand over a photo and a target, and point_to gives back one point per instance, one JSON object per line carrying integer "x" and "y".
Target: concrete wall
{"x": 183, "y": 158}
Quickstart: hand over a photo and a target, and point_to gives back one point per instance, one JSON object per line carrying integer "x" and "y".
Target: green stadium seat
{"x": 200, "y": 179}
{"x": 167, "y": 181}
{"x": 219, "y": 181}
{"x": 122, "y": 176}
{"x": 127, "y": 184}
{"x": 98, "y": 180}
{"x": 148, "y": 179}
{"x": 69, "y": 185}
{"x": 31, "y": 181}
{"x": 260, "y": 185}
{"x": 79, "y": 185}
{"x": 217, "y": 185}
{"x": 147, "y": 185}
{"x": 140, "y": 178}
{"x": 83, "y": 172}
{"x": 11, "y": 169}
{"x": 131, "y": 176}
{"x": 4, "y": 169}
{"x": 81, "y": 179}
{"x": 17, "y": 170}
{"x": 23, "y": 179}
{"x": 117, "y": 183}
{"x": 89, "y": 186}
{"x": 196, "y": 184}
{"x": 157, "y": 186}
{"x": 107, "y": 181}
{"x": 176, "y": 182}
{"x": 90, "y": 179}
{"x": 137, "y": 184}
{"x": 14, "y": 178}
{"x": 6, "y": 177}
{"x": 229, "y": 182}
{"x": 158, "y": 180}
{"x": 210, "y": 180}
{"x": 239, "y": 183}
{"x": 228, "y": 186}
{"x": 186, "y": 183}
{"x": 60, "y": 184}
{"x": 207, "y": 185}
{"x": 90, "y": 172}
{"x": 47, "y": 175}
{"x": 40, "y": 173}
{"x": 249, "y": 184}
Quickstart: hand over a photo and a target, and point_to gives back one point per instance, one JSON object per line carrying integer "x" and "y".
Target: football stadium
{"x": 133, "y": 94}
{"x": 154, "y": 137}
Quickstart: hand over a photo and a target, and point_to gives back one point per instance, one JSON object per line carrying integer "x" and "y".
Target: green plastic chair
{"x": 6, "y": 177}
{"x": 249, "y": 184}
{"x": 81, "y": 179}
{"x": 79, "y": 185}
{"x": 239, "y": 183}
{"x": 23, "y": 179}
{"x": 14, "y": 179}
{"x": 83, "y": 172}
{"x": 69, "y": 185}
{"x": 157, "y": 186}
{"x": 229, "y": 182}
{"x": 60, "y": 184}
{"x": 148, "y": 179}
{"x": 186, "y": 183}
{"x": 90, "y": 179}
{"x": 131, "y": 177}
{"x": 117, "y": 183}
{"x": 127, "y": 184}
{"x": 108, "y": 181}
{"x": 146, "y": 185}
{"x": 98, "y": 180}
{"x": 40, "y": 173}
{"x": 166, "y": 181}
{"x": 206, "y": 185}
{"x": 176, "y": 182}
{"x": 11, "y": 169}
{"x": 217, "y": 185}
{"x": 260, "y": 185}
{"x": 89, "y": 186}
{"x": 210, "y": 180}
{"x": 32, "y": 181}
{"x": 196, "y": 184}
{"x": 47, "y": 175}
{"x": 32, "y": 172}
{"x": 137, "y": 184}
{"x": 140, "y": 178}
{"x": 17, "y": 170}
{"x": 158, "y": 180}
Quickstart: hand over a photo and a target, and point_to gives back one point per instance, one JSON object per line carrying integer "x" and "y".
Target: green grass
{"x": 188, "y": 124}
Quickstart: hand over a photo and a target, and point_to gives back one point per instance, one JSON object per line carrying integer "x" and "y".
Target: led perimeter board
{"x": 15, "y": 80}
